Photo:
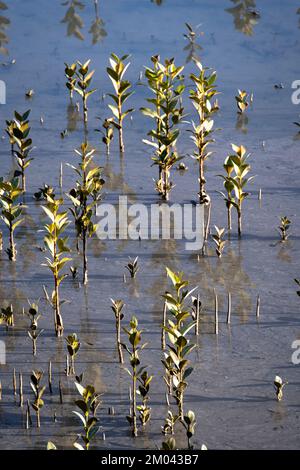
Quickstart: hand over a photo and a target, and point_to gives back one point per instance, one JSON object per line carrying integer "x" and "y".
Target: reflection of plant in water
{"x": 298, "y": 13}
{"x": 157, "y": 2}
{"x": 72, "y": 18}
{"x": 245, "y": 15}
{"x": 297, "y": 281}
{"x": 192, "y": 47}
{"x": 4, "y": 23}
{"x": 97, "y": 28}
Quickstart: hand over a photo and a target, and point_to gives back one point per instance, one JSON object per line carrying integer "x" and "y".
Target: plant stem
{"x": 120, "y": 351}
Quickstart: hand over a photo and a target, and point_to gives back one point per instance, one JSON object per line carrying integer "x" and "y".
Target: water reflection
{"x": 4, "y": 24}
{"x": 242, "y": 123}
{"x": 157, "y": 2}
{"x": 192, "y": 47}
{"x": 245, "y": 15}
{"x": 72, "y": 18}
{"x": 75, "y": 23}
{"x": 97, "y": 28}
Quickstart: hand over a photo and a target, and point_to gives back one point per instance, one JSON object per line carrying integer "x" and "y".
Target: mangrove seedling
{"x": 284, "y": 228}
{"x": 7, "y": 316}
{"x": 38, "y": 403}
{"x": 169, "y": 444}
{"x": 117, "y": 307}
{"x": 108, "y": 133}
{"x": 33, "y": 331}
{"x": 297, "y": 281}
{"x": 74, "y": 272}
{"x": 133, "y": 267}
{"x": 166, "y": 83}
{"x": 43, "y": 192}
{"x": 189, "y": 422}
{"x": 86, "y": 404}
{"x": 116, "y": 73}
{"x": 10, "y": 126}
{"x": 229, "y": 188}
{"x": 220, "y": 243}
{"x": 70, "y": 71}
{"x": 176, "y": 355}
{"x": 23, "y": 142}
{"x": 242, "y": 101}
{"x": 202, "y": 96}
{"x": 144, "y": 386}
{"x": 239, "y": 180}
{"x": 278, "y": 385}
{"x": 170, "y": 421}
{"x": 73, "y": 346}
{"x": 134, "y": 337}
{"x": 84, "y": 78}
{"x": 11, "y": 211}
{"x": 56, "y": 245}
{"x": 84, "y": 199}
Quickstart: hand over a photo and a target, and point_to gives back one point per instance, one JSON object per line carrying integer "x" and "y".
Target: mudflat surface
{"x": 231, "y": 388}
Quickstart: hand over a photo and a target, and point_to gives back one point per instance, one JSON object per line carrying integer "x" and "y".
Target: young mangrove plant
{"x": 87, "y": 405}
{"x": 278, "y": 385}
{"x": 202, "y": 98}
{"x": 189, "y": 422}
{"x": 70, "y": 74}
{"x": 38, "y": 390}
{"x": 23, "y": 143}
{"x": 136, "y": 372}
{"x": 43, "y": 192}
{"x": 229, "y": 188}
{"x": 116, "y": 73}
{"x": 220, "y": 243}
{"x": 170, "y": 421}
{"x": 166, "y": 82}
{"x": 144, "y": 387}
{"x": 169, "y": 444}
{"x": 133, "y": 267}
{"x": 283, "y": 228}
{"x": 33, "y": 331}
{"x": 239, "y": 180}
{"x": 73, "y": 346}
{"x": 83, "y": 82}
{"x": 108, "y": 133}
{"x": 84, "y": 199}
{"x": 7, "y": 316}
{"x": 56, "y": 245}
{"x": 11, "y": 211}
{"x": 242, "y": 101}
{"x": 10, "y": 126}
{"x": 179, "y": 348}
{"x": 117, "y": 307}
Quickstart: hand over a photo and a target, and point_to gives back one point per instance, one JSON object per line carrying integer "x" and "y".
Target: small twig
{"x": 216, "y": 314}
{"x": 21, "y": 389}
{"x": 229, "y": 309}
{"x": 50, "y": 377}
{"x": 15, "y": 382}
{"x": 258, "y": 306}
{"x": 197, "y": 315}
{"x": 60, "y": 392}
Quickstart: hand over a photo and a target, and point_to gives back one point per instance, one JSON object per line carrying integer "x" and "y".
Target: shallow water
{"x": 231, "y": 388}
